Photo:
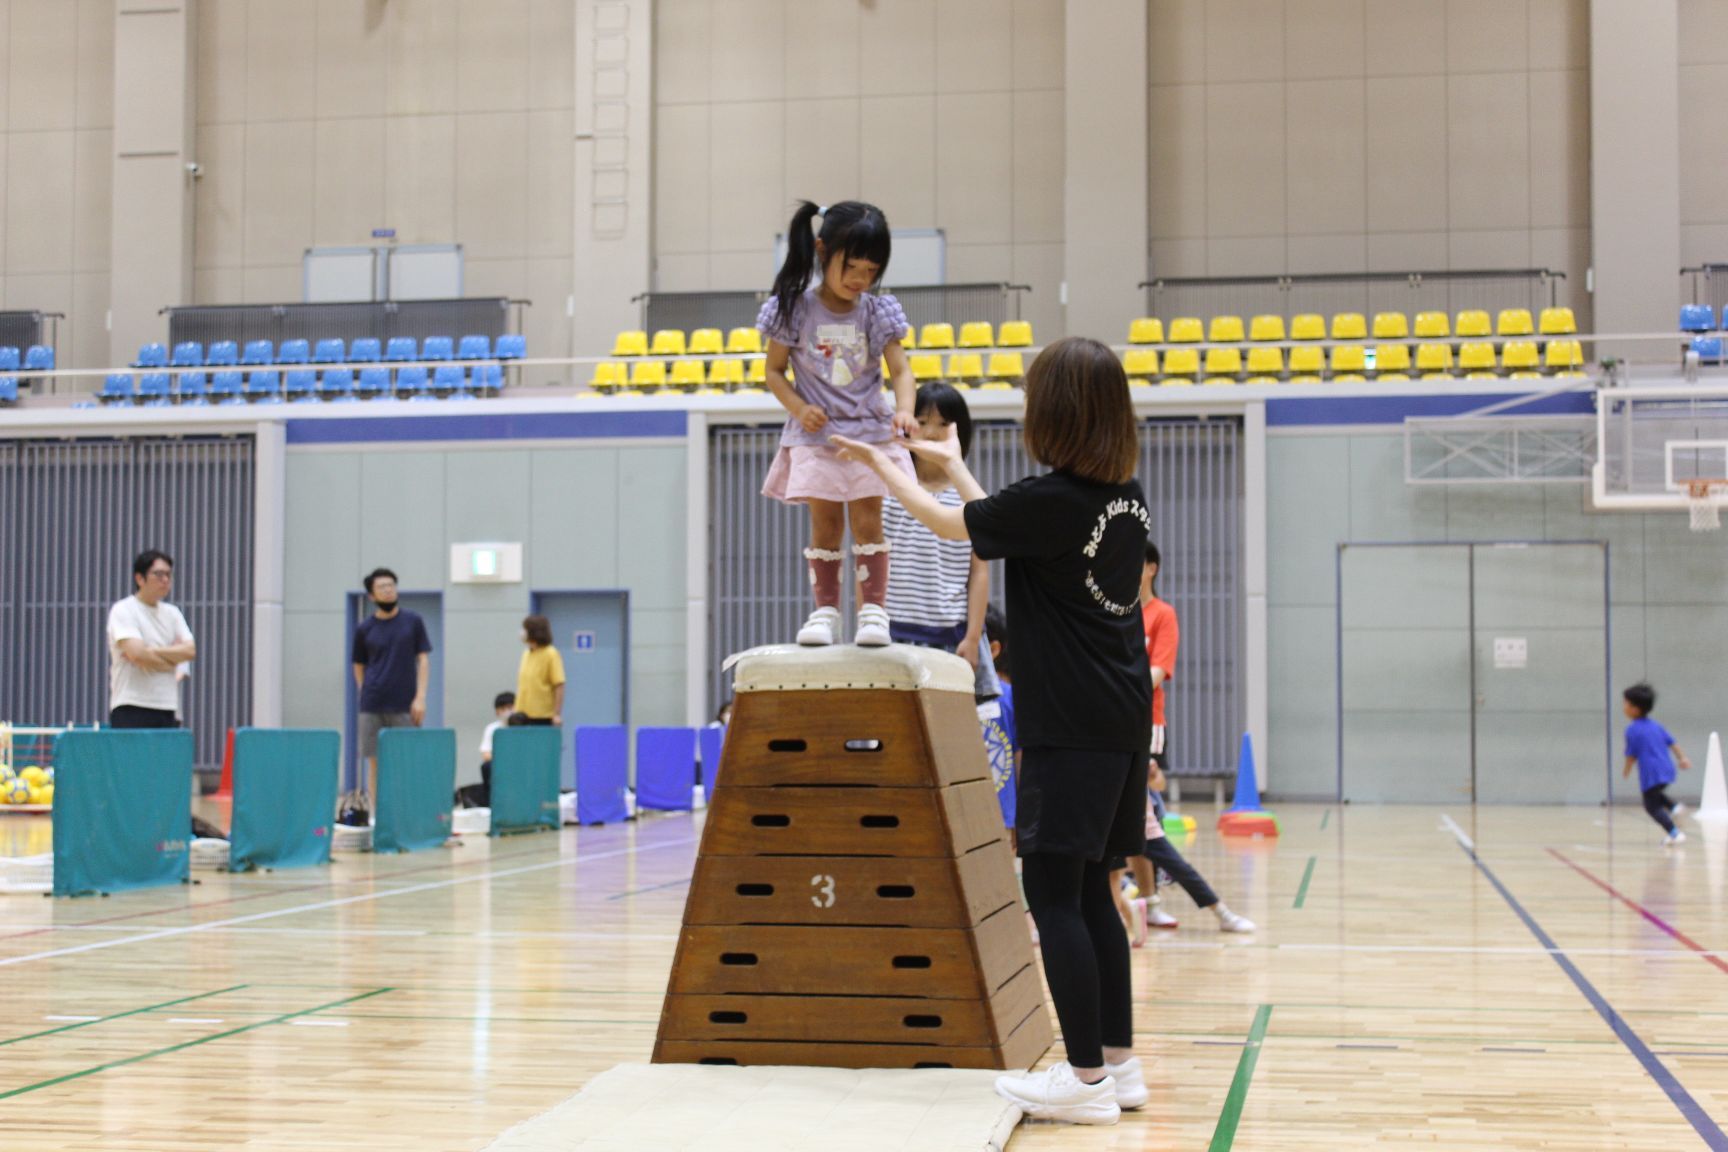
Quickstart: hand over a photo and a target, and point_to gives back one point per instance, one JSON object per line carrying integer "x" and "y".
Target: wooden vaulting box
{"x": 854, "y": 903}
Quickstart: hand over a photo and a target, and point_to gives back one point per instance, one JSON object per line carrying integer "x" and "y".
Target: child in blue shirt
{"x": 1001, "y": 740}
{"x": 1652, "y": 749}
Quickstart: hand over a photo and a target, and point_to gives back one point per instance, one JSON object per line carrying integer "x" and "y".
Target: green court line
{"x": 1307, "y": 875}
{"x": 1325, "y": 816}
{"x": 1225, "y": 1134}
{"x": 112, "y": 1064}
{"x": 119, "y": 1015}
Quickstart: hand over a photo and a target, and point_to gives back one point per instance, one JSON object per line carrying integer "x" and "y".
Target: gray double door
{"x": 1473, "y": 673}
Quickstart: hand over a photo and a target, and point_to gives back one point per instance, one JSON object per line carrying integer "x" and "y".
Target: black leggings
{"x": 1656, "y": 803}
{"x": 1163, "y": 854}
{"x": 1085, "y": 953}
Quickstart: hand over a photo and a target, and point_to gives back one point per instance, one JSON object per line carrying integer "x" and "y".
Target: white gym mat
{"x": 709, "y": 1108}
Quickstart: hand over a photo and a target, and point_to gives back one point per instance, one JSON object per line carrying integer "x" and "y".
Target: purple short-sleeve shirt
{"x": 836, "y": 361}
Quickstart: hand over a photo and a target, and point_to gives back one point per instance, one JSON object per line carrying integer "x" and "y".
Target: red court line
{"x": 1706, "y": 953}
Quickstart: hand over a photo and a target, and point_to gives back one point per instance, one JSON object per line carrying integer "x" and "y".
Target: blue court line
{"x": 1713, "y": 1136}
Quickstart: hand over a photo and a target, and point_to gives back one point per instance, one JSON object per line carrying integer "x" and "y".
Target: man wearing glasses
{"x": 148, "y": 644}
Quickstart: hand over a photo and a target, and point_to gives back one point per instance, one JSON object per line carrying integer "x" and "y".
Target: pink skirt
{"x": 805, "y": 472}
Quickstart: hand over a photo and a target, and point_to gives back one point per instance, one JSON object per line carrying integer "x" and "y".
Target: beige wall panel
{"x": 221, "y": 55}
{"x": 980, "y": 263}
{"x": 747, "y": 204}
{"x": 1488, "y": 150}
{"x": 348, "y": 167}
{"x": 279, "y": 188}
{"x": 1244, "y": 41}
{"x": 1560, "y": 35}
{"x": 281, "y": 62}
{"x": 491, "y": 44}
{"x": 351, "y": 46}
{"x": 681, "y": 178}
{"x": 897, "y": 149}
{"x": 743, "y": 270}
{"x": 1179, "y": 257}
{"x": 681, "y": 272}
{"x": 42, "y": 71}
{"x": 1488, "y": 248}
{"x": 272, "y": 283}
{"x": 45, "y": 292}
{"x": 219, "y": 197}
{"x": 491, "y": 192}
{"x": 1038, "y": 50}
{"x": 974, "y": 167}
{"x": 897, "y": 43}
{"x": 420, "y": 57}
{"x": 1560, "y": 149}
{"x": 1407, "y": 182}
{"x": 1176, "y": 41}
{"x": 552, "y": 54}
{"x": 974, "y": 45}
{"x": 93, "y": 201}
{"x": 1704, "y": 151}
{"x": 84, "y": 332}
{"x": 747, "y": 60}
{"x": 214, "y": 286}
{"x": 551, "y": 177}
{"x": 95, "y": 89}
{"x": 1245, "y": 256}
{"x": 1039, "y": 167}
{"x": 495, "y": 278}
{"x": 420, "y": 178}
{"x": 1703, "y": 32}
{"x": 1177, "y": 160}
{"x": 683, "y": 66}
{"x": 1406, "y": 251}
{"x": 822, "y": 150}
{"x": 1245, "y": 160}
{"x": 1487, "y": 35}
{"x": 547, "y": 324}
{"x": 1040, "y": 265}
{"x": 1326, "y": 162}
{"x": 39, "y": 202}
{"x": 1337, "y": 253}
{"x": 1405, "y": 37}
{"x": 1325, "y": 40}
{"x": 820, "y": 58}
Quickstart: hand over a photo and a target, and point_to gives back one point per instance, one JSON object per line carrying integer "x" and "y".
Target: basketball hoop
{"x": 1703, "y": 499}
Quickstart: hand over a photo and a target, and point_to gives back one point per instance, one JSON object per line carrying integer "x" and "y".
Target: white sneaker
{"x": 1674, "y": 837}
{"x": 1159, "y": 918}
{"x": 872, "y": 627}
{"x": 1057, "y": 1094}
{"x": 1677, "y": 811}
{"x": 1130, "y": 1083}
{"x": 821, "y": 630}
{"x": 1228, "y": 921}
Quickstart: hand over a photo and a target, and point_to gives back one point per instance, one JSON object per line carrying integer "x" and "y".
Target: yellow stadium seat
{"x": 976, "y": 334}
{"x": 707, "y": 342}
{"x": 1223, "y": 365}
{"x": 966, "y": 367}
{"x": 1349, "y": 326}
{"x": 926, "y": 366}
{"x": 1391, "y": 326}
{"x": 1520, "y": 356}
{"x": 1473, "y": 322}
{"x": 1514, "y": 322}
{"x": 609, "y": 374}
{"x": 1434, "y": 358}
{"x": 667, "y": 342}
{"x": 1186, "y": 330}
{"x": 757, "y": 372}
{"x": 1181, "y": 365}
{"x": 743, "y": 341}
{"x": 1391, "y": 358}
{"x": 1146, "y": 330}
{"x": 1224, "y": 330}
{"x": 1306, "y": 365}
{"x": 1307, "y": 326}
{"x": 1430, "y": 325}
{"x": 909, "y": 339}
{"x": 688, "y": 374}
{"x": 1266, "y": 328}
{"x": 1350, "y": 358}
{"x": 1557, "y": 322}
{"x": 1141, "y": 364}
{"x": 1264, "y": 363}
{"x": 1014, "y": 334}
{"x": 936, "y": 336}
{"x": 630, "y": 344}
{"x": 726, "y": 373}
{"x": 648, "y": 374}
{"x": 1392, "y": 378}
{"x": 1006, "y": 366}
{"x": 1563, "y": 354}
{"x": 1476, "y": 359}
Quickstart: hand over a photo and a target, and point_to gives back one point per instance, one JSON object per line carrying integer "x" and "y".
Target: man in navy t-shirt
{"x": 391, "y": 665}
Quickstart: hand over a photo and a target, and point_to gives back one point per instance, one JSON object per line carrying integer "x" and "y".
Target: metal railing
{"x": 469, "y": 316}
{"x": 925, "y": 304}
{"x": 1364, "y": 292}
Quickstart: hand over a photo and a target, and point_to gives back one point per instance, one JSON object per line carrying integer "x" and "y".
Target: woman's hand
{"x": 858, "y": 452}
{"x": 944, "y": 452}
{"x": 905, "y": 424}
{"x": 812, "y": 418}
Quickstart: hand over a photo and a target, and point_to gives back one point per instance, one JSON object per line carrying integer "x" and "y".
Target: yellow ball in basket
{"x": 7, "y": 775}
{"x": 33, "y": 776}
{"x": 47, "y": 794}
{"x": 17, "y": 792}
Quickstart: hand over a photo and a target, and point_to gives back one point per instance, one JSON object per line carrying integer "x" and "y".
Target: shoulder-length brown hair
{"x": 1079, "y": 418}
{"x": 539, "y": 630}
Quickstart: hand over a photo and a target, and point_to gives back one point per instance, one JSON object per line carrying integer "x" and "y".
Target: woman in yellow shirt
{"x": 540, "y": 679}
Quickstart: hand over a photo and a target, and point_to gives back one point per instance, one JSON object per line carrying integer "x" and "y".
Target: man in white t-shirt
{"x": 148, "y": 646}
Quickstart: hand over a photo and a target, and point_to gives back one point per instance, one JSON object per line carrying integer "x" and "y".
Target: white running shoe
{"x": 1130, "y": 1084}
{"x": 872, "y": 627}
{"x": 1159, "y": 918}
{"x": 1677, "y": 811}
{"x": 1057, "y": 1094}
{"x": 822, "y": 629}
{"x": 1229, "y": 921}
{"x": 1673, "y": 838}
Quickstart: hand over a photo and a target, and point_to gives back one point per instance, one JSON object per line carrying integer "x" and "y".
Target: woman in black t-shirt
{"x": 1073, "y": 540}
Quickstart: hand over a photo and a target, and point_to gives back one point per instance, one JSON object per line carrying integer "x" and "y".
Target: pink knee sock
{"x": 872, "y": 573}
{"x": 825, "y": 575}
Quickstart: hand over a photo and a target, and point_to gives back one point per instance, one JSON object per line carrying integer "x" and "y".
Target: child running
{"x": 835, "y": 337}
{"x": 1653, "y": 751}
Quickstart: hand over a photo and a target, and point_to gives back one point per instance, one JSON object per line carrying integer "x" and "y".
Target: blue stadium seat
{"x": 116, "y": 389}
{"x": 188, "y": 354}
{"x": 264, "y": 387}
{"x": 474, "y": 348}
{"x": 374, "y": 382}
{"x": 437, "y": 348}
{"x": 328, "y": 352}
{"x": 39, "y": 358}
{"x": 223, "y": 354}
{"x": 401, "y": 348}
{"x": 10, "y": 358}
{"x": 364, "y": 350}
{"x": 226, "y": 387}
{"x": 337, "y": 384}
{"x": 258, "y": 352}
{"x": 488, "y": 379}
{"x": 447, "y": 379}
{"x": 511, "y": 346}
{"x": 9, "y": 392}
{"x": 190, "y": 388}
{"x": 300, "y": 385}
{"x": 151, "y": 356}
{"x": 412, "y": 383}
{"x": 1709, "y": 348}
{"x": 294, "y": 352}
{"x": 155, "y": 389}
{"x": 1697, "y": 318}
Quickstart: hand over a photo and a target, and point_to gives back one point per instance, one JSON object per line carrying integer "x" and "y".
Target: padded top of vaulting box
{"x": 898, "y": 667}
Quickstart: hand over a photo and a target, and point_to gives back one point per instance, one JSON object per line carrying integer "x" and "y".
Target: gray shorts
{"x": 372, "y": 723}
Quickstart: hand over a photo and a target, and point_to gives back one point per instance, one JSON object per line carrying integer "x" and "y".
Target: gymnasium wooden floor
{"x": 1563, "y": 992}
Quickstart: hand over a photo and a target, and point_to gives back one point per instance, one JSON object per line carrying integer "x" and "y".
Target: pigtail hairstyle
{"x": 857, "y": 230}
